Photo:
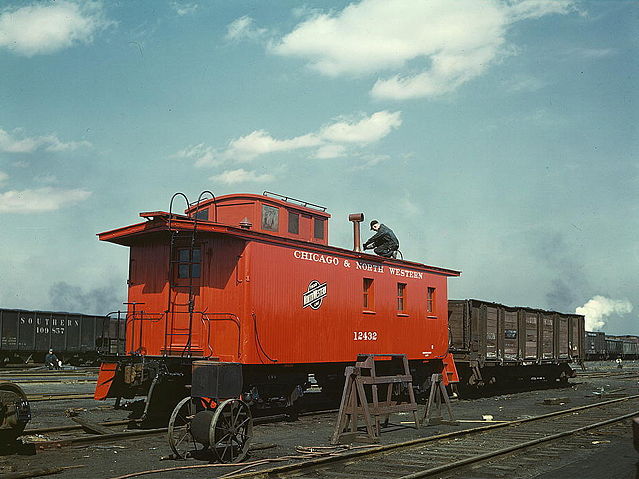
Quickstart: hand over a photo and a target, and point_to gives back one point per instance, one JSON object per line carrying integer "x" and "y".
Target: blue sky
{"x": 494, "y": 137}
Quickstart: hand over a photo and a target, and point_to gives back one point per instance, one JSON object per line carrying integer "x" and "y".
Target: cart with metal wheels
{"x": 15, "y": 412}
{"x": 213, "y": 418}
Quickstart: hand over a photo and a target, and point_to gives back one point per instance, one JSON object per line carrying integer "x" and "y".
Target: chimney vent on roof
{"x": 356, "y": 218}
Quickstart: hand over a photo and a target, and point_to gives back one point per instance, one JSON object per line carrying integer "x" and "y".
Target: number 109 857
{"x": 364, "y": 335}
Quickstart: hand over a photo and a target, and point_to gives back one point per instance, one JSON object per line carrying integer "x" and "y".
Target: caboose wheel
{"x": 15, "y": 412}
{"x": 231, "y": 430}
{"x": 180, "y": 438}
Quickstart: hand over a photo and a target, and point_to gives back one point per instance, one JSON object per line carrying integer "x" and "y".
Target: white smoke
{"x": 597, "y": 310}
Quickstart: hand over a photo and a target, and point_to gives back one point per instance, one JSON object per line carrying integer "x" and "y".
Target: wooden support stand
{"x": 437, "y": 397}
{"x": 362, "y": 379}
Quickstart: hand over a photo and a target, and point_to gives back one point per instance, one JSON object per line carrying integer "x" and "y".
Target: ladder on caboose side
{"x": 179, "y": 334}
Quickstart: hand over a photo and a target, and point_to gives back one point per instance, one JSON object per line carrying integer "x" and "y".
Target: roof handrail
{"x": 288, "y": 199}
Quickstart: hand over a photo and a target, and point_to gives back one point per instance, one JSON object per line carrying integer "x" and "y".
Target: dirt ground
{"x": 613, "y": 458}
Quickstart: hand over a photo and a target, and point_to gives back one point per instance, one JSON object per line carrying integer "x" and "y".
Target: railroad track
{"x": 49, "y": 372}
{"x": 55, "y": 381}
{"x": 608, "y": 374}
{"x": 49, "y": 376}
{"x": 448, "y": 453}
{"x": 58, "y": 397}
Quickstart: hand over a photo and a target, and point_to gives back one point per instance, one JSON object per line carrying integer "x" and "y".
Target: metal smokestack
{"x": 356, "y": 218}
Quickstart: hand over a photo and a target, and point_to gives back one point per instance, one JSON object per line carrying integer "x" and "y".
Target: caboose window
{"x": 369, "y": 296}
{"x": 318, "y": 228}
{"x": 401, "y": 297}
{"x": 270, "y": 218}
{"x": 293, "y": 223}
{"x": 189, "y": 263}
{"x": 430, "y": 300}
{"x": 202, "y": 214}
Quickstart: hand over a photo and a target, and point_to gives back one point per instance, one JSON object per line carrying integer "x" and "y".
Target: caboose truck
{"x": 251, "y": 280}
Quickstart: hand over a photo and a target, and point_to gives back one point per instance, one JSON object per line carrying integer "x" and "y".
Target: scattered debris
{"x": 38, "y": 472}
{"x": 555, "y": 401}
{"x": 74, "y": 411}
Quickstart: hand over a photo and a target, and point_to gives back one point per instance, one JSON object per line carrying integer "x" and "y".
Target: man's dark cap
{"x": 373, "y": 223}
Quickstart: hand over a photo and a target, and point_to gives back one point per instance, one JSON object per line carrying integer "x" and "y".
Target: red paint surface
{"x": 248, "y": 302}
{"x": 105, "y": 379}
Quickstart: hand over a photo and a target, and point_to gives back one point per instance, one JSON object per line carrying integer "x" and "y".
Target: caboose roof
{"x": 285, "y": 202}
{"x": 162, "y": 222}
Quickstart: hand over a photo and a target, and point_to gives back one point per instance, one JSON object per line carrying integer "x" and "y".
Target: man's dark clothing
{"x": 384, "y": 241}
{"x": 51, "y": 361}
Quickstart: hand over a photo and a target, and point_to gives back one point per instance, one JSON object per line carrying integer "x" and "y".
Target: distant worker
{"x": 619, "y": 363}
{"x": 51, "y": 361}
{"x": 384, "y": 240}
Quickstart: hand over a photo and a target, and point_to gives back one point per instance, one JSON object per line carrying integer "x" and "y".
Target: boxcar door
{"x": 531, "y": 335}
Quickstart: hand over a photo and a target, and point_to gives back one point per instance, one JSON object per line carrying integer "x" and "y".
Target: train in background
{"x": 77, "y": 339}
{"x": 497, "y": 344}
{"x": 600, "y": 346}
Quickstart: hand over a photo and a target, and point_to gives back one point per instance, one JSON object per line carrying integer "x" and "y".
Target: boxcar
{"x": 614, "y": 348}
{"x": 75, "y": 338}
{"x": 251, "y": 279}
{"x": 496, "y": 343}
{"x": 595, "y": 345}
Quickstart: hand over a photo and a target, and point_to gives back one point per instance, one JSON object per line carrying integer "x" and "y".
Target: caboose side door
{"x": 184, "y": 322}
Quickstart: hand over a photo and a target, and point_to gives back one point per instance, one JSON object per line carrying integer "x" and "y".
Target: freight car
{"x": 629, "y": 346}
{"x": 75, "y": 338}
{"x": 601, "y": 347}
{"x": 595, "y": 346}
{"x": 493, "y": 343}
{"x": 614, "y": 348}
{"x": 251, "y": 280}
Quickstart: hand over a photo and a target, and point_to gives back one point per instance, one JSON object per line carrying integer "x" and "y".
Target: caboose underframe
{"x": 162, "y": 380}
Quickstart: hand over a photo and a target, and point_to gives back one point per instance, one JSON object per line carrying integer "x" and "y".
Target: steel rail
{"x": 516, "y": 447}
{"x": 91, "y": 438}
{"x": 57, "y": 397}
{"x": 414, "y": 442}
{"x": 74, "y": 427}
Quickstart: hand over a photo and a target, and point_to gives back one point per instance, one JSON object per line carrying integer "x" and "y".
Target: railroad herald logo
{"x": 314, "y": 296}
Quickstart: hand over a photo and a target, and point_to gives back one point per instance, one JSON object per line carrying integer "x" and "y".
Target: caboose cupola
{"x": 269, "y": 213}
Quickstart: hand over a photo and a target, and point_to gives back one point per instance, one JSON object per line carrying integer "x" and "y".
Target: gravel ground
{"x": 612, "y": 458}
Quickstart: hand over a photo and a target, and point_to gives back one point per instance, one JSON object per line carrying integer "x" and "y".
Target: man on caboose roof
{"x": 384, "y": 240}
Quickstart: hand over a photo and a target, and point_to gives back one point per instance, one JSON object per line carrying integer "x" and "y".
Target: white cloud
{"x": 244, "y": 28}
{"x": 184, "y": 8}
{"x": 16, "y": 143}
{"x": 3, "y": 177}
{"x": 231, "y": 177}
{"x": 43, "y": 28}
{"x": 367, "y": 130}
{"x": 525, "y": 9}
{"x": 202, "y": 154}
{"x": 597, "y": 310}
{"x": 40, "y": 199}
{"x": 590, "y": 53}
{"x": 369, "y": 161}
{"x": 454, "y": 41}
{"x": 330, "y": 151}
{"x": 260, "y": 142}
{"x": 330, "y": 141}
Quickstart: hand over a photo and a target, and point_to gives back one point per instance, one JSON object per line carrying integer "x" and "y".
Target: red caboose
{"x": 251, "y": 279}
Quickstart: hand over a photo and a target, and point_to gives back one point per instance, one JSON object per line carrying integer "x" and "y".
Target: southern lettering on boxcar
{"x": 30, "y": 334}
